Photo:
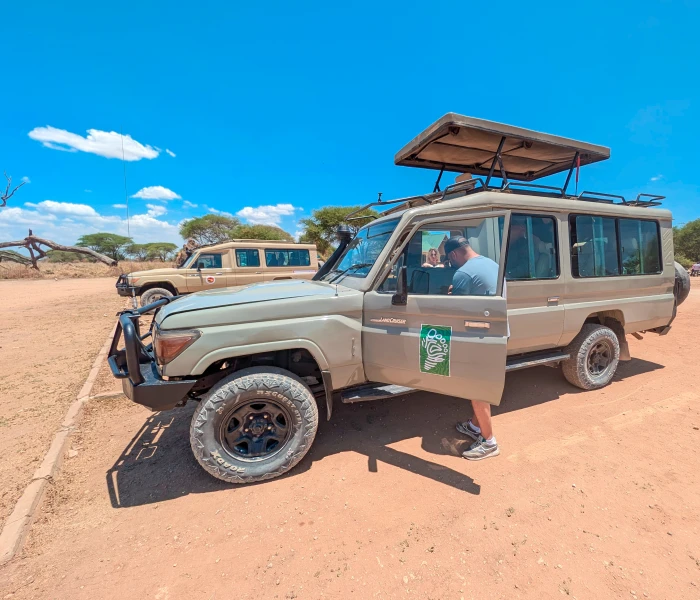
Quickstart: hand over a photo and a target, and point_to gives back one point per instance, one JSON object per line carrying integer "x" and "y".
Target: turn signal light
{"x": 168, "y": 345}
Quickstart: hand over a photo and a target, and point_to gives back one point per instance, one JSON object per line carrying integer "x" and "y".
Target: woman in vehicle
{"x": 433, "y": 259}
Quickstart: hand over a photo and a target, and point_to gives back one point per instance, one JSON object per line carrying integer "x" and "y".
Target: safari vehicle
{"x": 582, "y": 270}
{"x": 238, "y": 262}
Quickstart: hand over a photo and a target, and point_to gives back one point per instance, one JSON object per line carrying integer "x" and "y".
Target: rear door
{"x": 440, "y": 342}
{"x": 248, "y": 267}
{"x": 209, "y": 270}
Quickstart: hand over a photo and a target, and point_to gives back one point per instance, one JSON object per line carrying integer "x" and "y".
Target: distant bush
{"x": 59, "y": 256}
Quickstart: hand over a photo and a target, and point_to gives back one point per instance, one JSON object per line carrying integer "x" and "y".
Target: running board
{"x": 524, "y": 362}
{"x": 374, "y": 392}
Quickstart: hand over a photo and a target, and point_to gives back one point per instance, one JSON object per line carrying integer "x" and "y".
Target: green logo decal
{"x": 435, "y": 345}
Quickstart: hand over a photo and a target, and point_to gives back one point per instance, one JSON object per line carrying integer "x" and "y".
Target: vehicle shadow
{"x": 158, "y": 464}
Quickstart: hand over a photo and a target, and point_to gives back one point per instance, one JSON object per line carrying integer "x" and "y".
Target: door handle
{"x": 258, "y": 272}
{"x": 477, "y": 324}
{"x": 218, "y": 273}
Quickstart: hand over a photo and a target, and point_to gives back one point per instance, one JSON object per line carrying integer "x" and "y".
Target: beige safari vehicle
{"x": 238, "y": 262}
{"x": 577, "y": 274}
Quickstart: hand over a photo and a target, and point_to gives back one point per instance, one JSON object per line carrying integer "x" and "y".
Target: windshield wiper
{"x": 350, "y": 268}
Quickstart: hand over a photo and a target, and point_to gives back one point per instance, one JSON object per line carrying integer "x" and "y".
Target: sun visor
{"x": 467, "y": 145}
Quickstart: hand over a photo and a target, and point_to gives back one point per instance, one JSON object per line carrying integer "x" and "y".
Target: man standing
{"x": 476, "y": 275}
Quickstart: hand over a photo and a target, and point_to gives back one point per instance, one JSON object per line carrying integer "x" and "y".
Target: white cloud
{"x": 170, "y": 153}
{"x": 189, "y": 204}
{"x": 26, "y": 179}
{"x": 156, "y": 210}
{"x": 657, "y": 178}
{"x": 43, "y": 219}
{"x": 109, "y": 144}
{"x": 266, "y": 214}
{"x": 156, "y": 192}
{"x": 216, "y": 211}
{"x": 118, "y": 205}
{"x": 64, "y": 208}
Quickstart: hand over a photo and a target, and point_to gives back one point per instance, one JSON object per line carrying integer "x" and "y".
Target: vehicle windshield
{"x": 188, "y": 261}
{"x": 360, "y": 255}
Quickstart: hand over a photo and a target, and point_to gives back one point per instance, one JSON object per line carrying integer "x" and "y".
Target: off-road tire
{"x": 681, "y": 287}
{"x": 154, "y": 294}
{"x": 576, "y": 368}
{"x": 256, "y": 382}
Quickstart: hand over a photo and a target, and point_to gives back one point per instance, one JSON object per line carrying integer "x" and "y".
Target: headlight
{"x": 168, "y": 345}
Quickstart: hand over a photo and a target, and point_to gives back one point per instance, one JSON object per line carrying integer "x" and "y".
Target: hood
{"x": 248, "y": 294}
{"x": 161, "y": 271}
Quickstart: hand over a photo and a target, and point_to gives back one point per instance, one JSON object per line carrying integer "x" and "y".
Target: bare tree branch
{"x": 33, "y": 243}
{"x": 8, "y": 194}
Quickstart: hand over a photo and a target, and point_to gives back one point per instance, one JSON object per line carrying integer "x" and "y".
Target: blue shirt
{"x": 476, "y": 277}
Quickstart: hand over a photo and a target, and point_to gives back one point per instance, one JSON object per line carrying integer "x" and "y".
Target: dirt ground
{"x": 595, "y": 495}
{"x": 50, "y": 333}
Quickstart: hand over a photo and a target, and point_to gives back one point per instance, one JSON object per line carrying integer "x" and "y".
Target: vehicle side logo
{"x": 389, "y": 321}
{"x": 434, "y": 351}
{"x": 210, "y": 279}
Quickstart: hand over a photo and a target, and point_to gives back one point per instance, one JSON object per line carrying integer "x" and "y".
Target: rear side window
{"x": 209, "y": 261}
{"x": 287, "y": 258}
{"x": 639, "y": 247}
{"x": 532, "y": 248}
{"x": 594, "y": 247}
{"x": 247, "y": 258}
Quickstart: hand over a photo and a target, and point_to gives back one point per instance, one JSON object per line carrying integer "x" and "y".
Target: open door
{"x": 433, "y": 339}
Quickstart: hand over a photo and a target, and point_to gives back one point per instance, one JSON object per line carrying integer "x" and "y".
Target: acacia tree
{"x": 321, "y": 227}
{"x": 209, "y": 229}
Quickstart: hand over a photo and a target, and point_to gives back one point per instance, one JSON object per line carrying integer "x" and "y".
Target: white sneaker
{"x": 466, "y": 428}
{"x": 481, "y": 449}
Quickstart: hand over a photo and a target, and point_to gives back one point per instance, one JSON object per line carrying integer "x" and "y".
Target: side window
{"x": 532, "y": 248}
{"x": 247, "y": 258}
{"x": 432, "y": 268}
{"x": 594, "y": 246}
{"x": 209, "y": 261}
{"x": 639, "y": 247}
{"x": 287, "y": 258}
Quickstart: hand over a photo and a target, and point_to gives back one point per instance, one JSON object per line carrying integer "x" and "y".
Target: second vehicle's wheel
{"x": 594, "y": 356}
{"x": 154, "y": 294}
{"x": 254, "y": 425}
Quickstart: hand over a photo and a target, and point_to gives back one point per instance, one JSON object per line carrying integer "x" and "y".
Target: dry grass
{"x": 77, "y": 270}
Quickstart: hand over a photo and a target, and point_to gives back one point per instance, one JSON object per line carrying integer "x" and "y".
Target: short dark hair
{"x": 455, "y": 242}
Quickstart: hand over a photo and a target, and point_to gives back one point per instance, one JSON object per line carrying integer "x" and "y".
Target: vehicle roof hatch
{"x": 468, "y": 145}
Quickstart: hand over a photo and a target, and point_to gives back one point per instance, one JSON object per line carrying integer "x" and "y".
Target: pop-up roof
{"x": 468, "y": 145}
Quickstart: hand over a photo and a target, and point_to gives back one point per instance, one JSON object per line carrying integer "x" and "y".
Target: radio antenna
{"x": 128, "y": 223}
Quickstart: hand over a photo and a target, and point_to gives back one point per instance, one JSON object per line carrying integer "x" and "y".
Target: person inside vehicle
{"x": 695, "y": 269}
{"x": 433, "y": 259}
{"x": 476, "y": 275}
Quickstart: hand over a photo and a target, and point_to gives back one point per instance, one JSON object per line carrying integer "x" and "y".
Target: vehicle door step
{"x": 374, "y": 392}
{"x": 523, "y": 362}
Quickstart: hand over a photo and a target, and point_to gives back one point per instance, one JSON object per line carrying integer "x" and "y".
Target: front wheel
{"x": 254, "y": 425}
{"x": 594, "y": 356}
{"x": 154, "y": 294}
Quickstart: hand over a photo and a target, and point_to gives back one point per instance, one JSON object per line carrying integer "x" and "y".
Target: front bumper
{"x": 126, "y": 290}
{"x": 135, "y": 365}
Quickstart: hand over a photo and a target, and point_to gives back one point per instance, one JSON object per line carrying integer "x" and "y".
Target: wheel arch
{"x": 613, "y": 319}
{"x": 166, "y": 285}
{"x": 299, "y": 356}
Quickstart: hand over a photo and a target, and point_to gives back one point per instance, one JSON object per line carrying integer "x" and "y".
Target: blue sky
{"x": 269, "y": 110}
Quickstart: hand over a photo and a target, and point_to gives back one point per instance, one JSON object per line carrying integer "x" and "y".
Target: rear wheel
{"x": 254, "y": 425}
{"x": 594, "y": 356}
{"x": 154, "y": 294}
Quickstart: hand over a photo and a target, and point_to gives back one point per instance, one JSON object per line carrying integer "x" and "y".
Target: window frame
{"x": 617, "y": 220}
{"x": 557, "y": 247}
{"x": 658, "y": 243}
{"x": 219, "y": 254}
{"x": 239, "y": 265}
{"x": 395, "y": 255}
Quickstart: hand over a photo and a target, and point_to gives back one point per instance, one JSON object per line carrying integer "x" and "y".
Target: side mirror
{"x": 400, "y": 298}
{"x": 200, "y": 266}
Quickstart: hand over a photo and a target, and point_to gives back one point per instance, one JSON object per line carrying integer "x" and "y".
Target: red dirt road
{"x": 595, "y": 495}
